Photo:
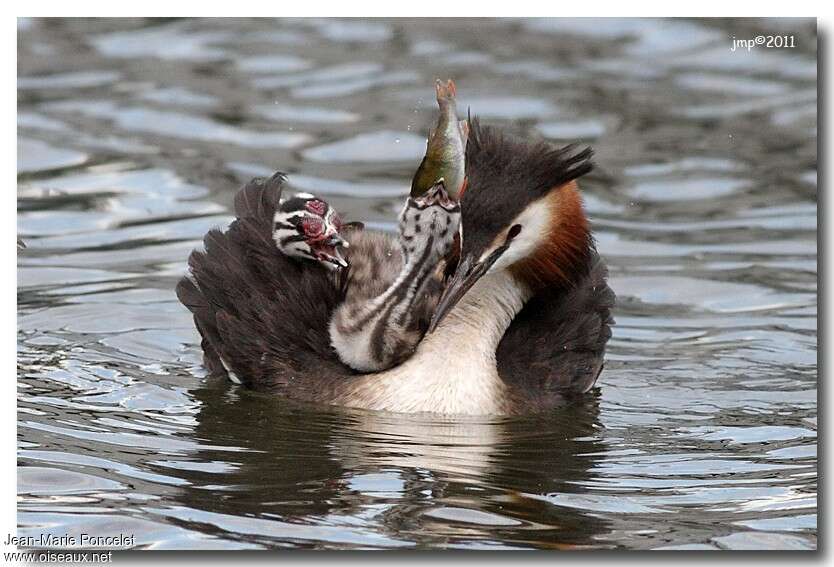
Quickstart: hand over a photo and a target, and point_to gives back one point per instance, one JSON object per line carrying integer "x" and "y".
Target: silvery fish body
{"x": 446, "y": 148}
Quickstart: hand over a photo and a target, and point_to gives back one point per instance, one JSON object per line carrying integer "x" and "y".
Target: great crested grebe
{"x": 521, "y": 325}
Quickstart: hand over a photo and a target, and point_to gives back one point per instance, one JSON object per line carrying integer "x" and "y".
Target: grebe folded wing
{"x": 262, "y": 314}
{"x": 556, "y": 344}
{"x": 204, "y": 319}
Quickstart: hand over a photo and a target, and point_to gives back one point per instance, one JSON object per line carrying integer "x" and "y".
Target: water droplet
{"x": 397, "y": 141}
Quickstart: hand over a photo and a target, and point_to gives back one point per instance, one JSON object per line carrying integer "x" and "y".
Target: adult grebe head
{"x": 521, "y": 211}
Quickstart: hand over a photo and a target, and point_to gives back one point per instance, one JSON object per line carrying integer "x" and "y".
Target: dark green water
{"x": 133, "y": 137}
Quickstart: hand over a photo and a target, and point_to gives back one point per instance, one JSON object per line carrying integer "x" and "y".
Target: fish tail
{"x": 445, "y": 91}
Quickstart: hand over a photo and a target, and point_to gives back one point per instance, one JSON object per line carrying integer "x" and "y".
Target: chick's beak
{"x": 437, "y": 195}
{"x": 338, "y": 260}
{"x": 336, "y": 241}
{"x": 328, "y": 250}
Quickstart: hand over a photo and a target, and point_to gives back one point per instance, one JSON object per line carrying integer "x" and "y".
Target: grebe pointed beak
{"x": 338, "y": 260}
{"x": 436, "y": 195}
{"x": 466, "y": 275}
{"x": 336, "y": 241}
{"x": 327, "y": 251}
{"x": 432, "y": 194}
{"x": 334, "y": 258}
{"x": 468, "y": 272}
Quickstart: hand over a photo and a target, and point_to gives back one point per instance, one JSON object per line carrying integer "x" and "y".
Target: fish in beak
{"x": 468, "y": 272}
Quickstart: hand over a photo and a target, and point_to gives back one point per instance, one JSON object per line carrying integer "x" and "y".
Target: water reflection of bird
{"x": 379, "y": 479}
{"x": 521, "y": 324}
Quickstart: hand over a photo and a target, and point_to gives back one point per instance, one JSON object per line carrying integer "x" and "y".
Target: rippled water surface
{"x": 133, "y": 137}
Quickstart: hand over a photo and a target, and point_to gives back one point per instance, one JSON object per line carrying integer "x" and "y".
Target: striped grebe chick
{"x": 306, "y": 227}
{"x": 373, "y": 332}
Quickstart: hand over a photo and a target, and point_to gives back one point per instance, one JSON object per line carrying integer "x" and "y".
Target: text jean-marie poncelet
{"x": 87, "y": 541}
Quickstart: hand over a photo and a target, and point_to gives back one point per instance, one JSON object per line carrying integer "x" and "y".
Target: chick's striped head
{"x": 307, "y": 227}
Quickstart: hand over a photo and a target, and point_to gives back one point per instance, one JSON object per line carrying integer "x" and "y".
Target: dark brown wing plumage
{"x": 554, "y": 347}
{"x": 265, "y": 314}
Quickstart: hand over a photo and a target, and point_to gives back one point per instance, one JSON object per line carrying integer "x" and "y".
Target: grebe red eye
{"x": 316, "y": 206}
{"x": 312, "y": 227}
